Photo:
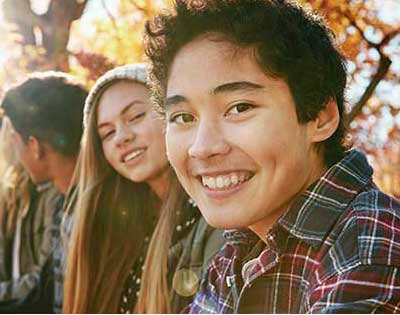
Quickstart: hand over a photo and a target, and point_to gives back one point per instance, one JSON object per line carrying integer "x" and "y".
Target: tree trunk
{"x": 54, "y": 26}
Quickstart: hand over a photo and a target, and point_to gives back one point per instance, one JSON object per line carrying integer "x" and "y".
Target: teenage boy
{"x": 253, "y": 95}
{"x": 46, "y": 113}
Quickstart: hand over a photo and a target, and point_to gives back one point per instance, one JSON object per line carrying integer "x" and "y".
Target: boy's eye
{"x": 182, "y": 118}
{"x": 239, "y": 108}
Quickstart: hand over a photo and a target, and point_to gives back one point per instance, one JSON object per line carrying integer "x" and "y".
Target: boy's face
{"x": 233, "y": 136}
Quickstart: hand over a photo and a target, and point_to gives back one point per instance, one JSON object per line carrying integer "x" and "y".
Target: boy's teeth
{"x": 220, "y": 182}
{"x": 234, "y": 179}
{"x": 209, "y": 182}
{"x": 227, "y": 181}
{"x": 224, "y": 181}
{"x": 212, "y": 183}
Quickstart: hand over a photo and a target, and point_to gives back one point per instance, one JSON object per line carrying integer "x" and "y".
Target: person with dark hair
{"x": 46, "y": 114}
{"x": 25, "y": 228}
{"x": 253, "y": 96}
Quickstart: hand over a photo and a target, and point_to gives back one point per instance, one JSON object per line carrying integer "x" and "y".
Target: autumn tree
{"x": 371, "y": 45}
{"x": 57, "y": 39}
{"x": 50, "y": 30}
{"x": 116, "y": 38}
{"x": 361, "y": 32}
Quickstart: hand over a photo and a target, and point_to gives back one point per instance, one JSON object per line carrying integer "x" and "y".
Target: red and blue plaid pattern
{"x": 335, "y": 250}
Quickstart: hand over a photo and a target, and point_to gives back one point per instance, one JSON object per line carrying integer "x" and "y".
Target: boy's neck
{"x": 262, "y": 226}
{"x": 62, "y": 171}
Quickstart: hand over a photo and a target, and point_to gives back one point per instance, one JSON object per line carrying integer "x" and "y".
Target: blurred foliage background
{"x": 89, "y": 37}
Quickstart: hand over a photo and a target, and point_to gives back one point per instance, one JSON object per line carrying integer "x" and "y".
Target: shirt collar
{"x": 240, "y": 244}
{"x": 240, "y": 236}
{"x": 311, "y": 215}
{"x": 43, "y": 186}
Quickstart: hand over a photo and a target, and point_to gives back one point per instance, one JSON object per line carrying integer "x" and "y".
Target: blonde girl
{"x": 121, "y": 181}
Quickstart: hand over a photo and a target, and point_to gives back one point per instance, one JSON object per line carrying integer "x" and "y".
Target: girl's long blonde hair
{"x": 112, "y": 216}
{"x": 14, "y": 182}
{"x": 154, "y": 296}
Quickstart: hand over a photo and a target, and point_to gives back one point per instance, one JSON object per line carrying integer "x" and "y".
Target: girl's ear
{"x": 326, "y": 123}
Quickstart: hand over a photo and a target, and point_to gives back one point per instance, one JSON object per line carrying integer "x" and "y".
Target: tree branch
{"x": 383, "y": 68}
{"x": 71, "y": 8}
{"x": 21, "y": 14}
{"x": 354, "y": 23}
{"x": 389, "y": 36}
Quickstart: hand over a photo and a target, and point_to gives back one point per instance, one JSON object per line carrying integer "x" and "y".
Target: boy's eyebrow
{"x": 236, "y": 86}
{"x": 173, "y": 100}
{"x": 227, "y": 87}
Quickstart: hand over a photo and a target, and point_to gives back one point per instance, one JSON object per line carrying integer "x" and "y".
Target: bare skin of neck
{"x": 62, "y": 169}
{"x": 262, "y": 227}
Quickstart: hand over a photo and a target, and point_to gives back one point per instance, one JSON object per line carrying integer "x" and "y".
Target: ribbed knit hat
{"x": 134, "y": 72}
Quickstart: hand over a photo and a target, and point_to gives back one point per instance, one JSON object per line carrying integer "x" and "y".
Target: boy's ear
{"x": 36, "y": 147}
{"x": 326, "y": 123}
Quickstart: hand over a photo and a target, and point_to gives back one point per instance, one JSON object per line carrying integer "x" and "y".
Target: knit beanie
{"x": 134, "y": 72}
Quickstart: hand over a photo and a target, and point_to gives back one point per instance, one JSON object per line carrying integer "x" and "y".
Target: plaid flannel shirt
{"x": 335, "y": 250}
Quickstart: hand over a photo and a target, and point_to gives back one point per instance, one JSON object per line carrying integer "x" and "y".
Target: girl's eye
{"x": 181, "y": 118}
{"x": 107, "y": 135}
{"x": 239, "y": 108}
{"x": 136, "y": 117}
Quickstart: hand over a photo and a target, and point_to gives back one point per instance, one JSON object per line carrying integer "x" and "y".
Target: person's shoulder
{"x": 377, "y": 218}
{"x": 368, "y": 232}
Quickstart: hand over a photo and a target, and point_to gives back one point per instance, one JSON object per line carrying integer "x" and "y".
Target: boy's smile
{"x": 233, "y": 136}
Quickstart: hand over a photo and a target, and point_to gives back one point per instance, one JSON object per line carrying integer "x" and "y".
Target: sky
{"x": 95, "y": 8}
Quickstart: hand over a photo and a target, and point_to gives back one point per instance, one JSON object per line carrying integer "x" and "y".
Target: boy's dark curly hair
{"x": 289, "y": 42}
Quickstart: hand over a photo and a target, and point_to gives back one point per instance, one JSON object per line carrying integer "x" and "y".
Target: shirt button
{"x": 271, "y": 243}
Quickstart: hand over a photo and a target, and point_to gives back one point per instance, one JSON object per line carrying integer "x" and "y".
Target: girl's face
{"x": 131, "y": 132}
